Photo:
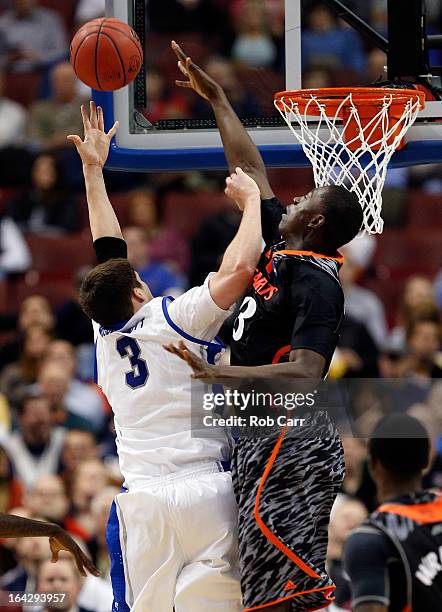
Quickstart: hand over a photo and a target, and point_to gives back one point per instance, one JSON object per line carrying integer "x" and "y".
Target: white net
{"x": 345, "y": 149}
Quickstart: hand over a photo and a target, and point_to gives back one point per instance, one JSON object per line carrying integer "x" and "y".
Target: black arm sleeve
{"x": 366, "y": 555}
{"x": 110, "y": 248}
{"x": 318, "y": 308}
{"x": 271, "y": 214}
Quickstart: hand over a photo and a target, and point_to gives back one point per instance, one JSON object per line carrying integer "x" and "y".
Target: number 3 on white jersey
{"x": 247, "y": 310}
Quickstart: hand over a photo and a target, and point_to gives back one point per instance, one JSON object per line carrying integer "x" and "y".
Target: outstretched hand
{"x": 197, "y": 79}
{"x": 63, "y": 541}
{"x": 201, "y": 370}
{"x": 94, "y": 149}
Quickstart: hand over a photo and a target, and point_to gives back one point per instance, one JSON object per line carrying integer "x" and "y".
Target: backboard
{"x": 166, "y": 128}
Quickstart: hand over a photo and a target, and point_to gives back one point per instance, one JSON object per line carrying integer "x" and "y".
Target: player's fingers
{"x": 86, "y": 122}
{"x": 94, "y": 116}
{"x": 184, "y": 84}
{"x": 183, "y": 68}
{"x": 114, "y": 129}
{"x": 80, "y": 566}
{"x": 90, "y": 567}
{"x": 178, "y": 51}
{"x": 173, "y": 350}
{"x": 100, "y": 119}
{"x": 75, "y": 139}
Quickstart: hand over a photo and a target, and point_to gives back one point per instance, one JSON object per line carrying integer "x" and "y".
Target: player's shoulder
{"x": 365, "y": 540}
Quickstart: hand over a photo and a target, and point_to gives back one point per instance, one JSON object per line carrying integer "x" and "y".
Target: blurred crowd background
{"x": 57, "y": 451}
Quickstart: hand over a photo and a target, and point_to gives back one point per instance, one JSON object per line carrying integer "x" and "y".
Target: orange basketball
{"x": 106, "y": 54}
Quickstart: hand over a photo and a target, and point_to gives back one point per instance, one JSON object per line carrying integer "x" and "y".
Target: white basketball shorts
{"x": 173, "y": 545}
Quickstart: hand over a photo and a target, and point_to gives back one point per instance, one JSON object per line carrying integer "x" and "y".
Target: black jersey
{"x": 295, "y": 301}
{"x": 395, "y": 557}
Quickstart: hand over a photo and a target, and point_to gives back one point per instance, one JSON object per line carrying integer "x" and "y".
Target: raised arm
{"x": 242, "y": 254}
{"x": 93, "y": 150}
{"x": 239, "y": 148}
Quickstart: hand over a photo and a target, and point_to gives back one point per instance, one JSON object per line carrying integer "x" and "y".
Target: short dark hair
{"x": 25, "y": 398}
{"x": 343, "y": 215}
{"x": 404, "y": 456}
{"x": 423, "y": 314}
{"x": 106, "y": 291}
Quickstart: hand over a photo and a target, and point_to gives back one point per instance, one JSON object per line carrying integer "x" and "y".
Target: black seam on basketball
{"x": 134, "y": 40}
{"x": 119, "y": 55}
{"x": 96, "y": 53}
{"x": 79, "y": 47}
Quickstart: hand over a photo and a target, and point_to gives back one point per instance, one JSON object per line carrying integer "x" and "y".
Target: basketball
{"x": 106, "y": 54}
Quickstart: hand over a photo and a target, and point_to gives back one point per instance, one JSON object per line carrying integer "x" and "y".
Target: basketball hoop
{"x": 349, "y": 134}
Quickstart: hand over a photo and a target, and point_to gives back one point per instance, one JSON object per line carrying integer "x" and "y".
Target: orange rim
{"x": 332, "y": 97}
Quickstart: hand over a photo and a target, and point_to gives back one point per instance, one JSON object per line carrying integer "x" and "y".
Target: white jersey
{"x": 150, "y": 390}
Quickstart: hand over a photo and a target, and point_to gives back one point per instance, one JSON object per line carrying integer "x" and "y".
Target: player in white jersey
{"x": 172, "y": 533}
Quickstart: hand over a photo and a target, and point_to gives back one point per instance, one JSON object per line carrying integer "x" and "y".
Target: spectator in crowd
{"x": 418, "y": 296}
{"x": 376, "y": 66}
{"x": 325, "y": 44}
{"x": 51, "y": 120}
{"x": 160, "y": 277}
{"x": 78, "y": 446}
{"x": 166, "y": 244}
{"x": 357, "y": 483}
{"x": 253, "y": 43}
{"x": 46, "y": 207}
{"x": 47, "y": 498}
{"x": 35, "y": 447}
{"x": 62, "y": 577}
{"x": 90, "y": 594}
{"x": 53, "y": 382}
{"x": 10, "y": 489}
{"x": 317, "y": 77}
{"x": 89, "y": 9}
{"x": 29, "y": 554}
{"x": 163, "y": 100}
{"x": 12, "y": 119}
{"x": 34, "y": 310}
{"x": 89, "y": 478}
{"x": 15, "y": 256}
{"x": 360, "y": 303}
{"x": 34, "y": 36}
{"x": 423, "y": 343}
{"x": 81, "y": 399}
{"x": 100, "y": 507}
{"x": 346, "y": 515}
{"x": 356, "y": 354}
{"x": 223, "y": 72}
{"x": 15, "y": 377}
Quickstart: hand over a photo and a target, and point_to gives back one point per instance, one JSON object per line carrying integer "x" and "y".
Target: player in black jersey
{"x": 394, "y": 560}
{"x": 287, "y": 328}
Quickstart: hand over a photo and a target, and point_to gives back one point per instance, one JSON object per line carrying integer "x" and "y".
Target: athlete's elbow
{"x": 243, "y": 273}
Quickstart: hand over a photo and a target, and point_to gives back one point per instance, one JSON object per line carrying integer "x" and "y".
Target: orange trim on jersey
{"x": 430, "y": 512}
{"x": 339, "y": 259}
{"x": 265, "y": 530}
{"x": 328, "y": 590}
{"x": 282, "y": 351}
